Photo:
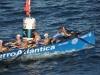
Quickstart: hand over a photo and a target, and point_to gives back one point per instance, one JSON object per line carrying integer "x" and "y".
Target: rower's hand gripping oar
{"x": 7, "y": 66}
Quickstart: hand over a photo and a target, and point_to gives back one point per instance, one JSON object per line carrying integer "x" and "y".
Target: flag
{"x": 27, "y": 7}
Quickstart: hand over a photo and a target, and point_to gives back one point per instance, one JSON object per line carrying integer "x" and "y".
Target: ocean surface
{"x": 76, "y": 15}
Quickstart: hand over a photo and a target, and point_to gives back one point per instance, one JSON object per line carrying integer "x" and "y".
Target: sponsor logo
{"x": 29, "y": 51}
{"x": 62, "y": 43}
{"x": 74, "y": 41}
{"x": 87, "y": 35}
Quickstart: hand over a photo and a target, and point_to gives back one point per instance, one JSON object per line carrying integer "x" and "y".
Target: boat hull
{"x": 71, "y": 44}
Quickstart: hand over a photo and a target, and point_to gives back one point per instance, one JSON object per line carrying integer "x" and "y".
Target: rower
{"x": 36, "y": 37}
{"x": 36, "y": 40}
{"x": 23, "y": 44}
{"x": 17, "y": 42}
{"x": 46, "y": 40}
{"x": 2, "y": 49}
{"x": 57, "y": 37}
{"x": 60, "y": 34}
{"x": 63, "y": 30}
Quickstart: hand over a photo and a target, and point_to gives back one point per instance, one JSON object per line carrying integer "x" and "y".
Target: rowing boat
{"x": 71, "y": 44}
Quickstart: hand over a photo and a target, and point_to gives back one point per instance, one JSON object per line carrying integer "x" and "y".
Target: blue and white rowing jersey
{"x": 58, "y": 36}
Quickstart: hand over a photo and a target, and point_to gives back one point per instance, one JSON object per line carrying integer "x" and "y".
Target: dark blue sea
{"x": 76, "y": 15}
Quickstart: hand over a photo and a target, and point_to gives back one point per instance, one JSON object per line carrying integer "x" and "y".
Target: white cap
{"x": 1, "y": 41}
{"x": 18, "y": 35}
{"x": 46, "y": 34}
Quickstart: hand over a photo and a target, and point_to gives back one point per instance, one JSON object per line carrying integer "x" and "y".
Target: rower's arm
{"x": 23, "y": 46}
{"x": 12, "y": 43}
{"x": 45, "y": 42}
{"x": 32, "y": 40}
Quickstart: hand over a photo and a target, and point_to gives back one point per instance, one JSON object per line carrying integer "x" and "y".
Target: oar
{"x": 88, "y": 42}
{"x": 77, "y": 35}
{"x": 85, "y": 41}
{"x": 7, "y": 66}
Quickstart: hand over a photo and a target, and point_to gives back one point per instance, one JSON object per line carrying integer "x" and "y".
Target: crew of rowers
{"x": 36, "y": 42}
